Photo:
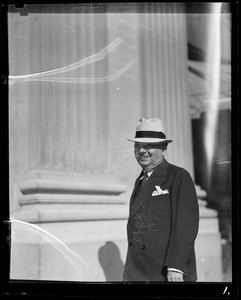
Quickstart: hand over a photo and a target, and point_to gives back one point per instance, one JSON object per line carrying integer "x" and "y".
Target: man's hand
{"x": 174, "y": 276}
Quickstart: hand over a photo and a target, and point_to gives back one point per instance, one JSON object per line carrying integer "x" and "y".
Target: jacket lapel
{"x": 158, "y": 176}
{"x": 135, "y": 188}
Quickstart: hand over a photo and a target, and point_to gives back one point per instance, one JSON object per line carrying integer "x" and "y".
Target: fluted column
{"x": 163, "y": 47}
{"x": 63, "y": 116}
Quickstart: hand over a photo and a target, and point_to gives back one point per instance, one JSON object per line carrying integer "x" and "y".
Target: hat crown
{"x": 153, "y": 124}
{"x": 150, "y": 131}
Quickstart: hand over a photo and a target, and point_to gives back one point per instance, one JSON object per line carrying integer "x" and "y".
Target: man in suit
{"x": 164, "y": 216}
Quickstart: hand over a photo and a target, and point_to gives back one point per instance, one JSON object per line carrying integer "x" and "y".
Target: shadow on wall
{"x": 110, "y": 261}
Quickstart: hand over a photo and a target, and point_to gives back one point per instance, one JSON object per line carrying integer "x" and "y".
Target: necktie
{"x": 141, "y": 184}
{"x": 144, "y": 180}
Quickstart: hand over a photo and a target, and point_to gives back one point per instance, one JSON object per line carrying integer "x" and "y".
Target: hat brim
{"x": 150, "y": 140}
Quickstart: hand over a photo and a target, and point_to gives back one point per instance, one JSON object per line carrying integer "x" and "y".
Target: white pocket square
{"x": 159, "y": 191}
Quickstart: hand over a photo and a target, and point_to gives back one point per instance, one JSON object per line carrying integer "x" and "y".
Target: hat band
{"x": 150, "y": 134}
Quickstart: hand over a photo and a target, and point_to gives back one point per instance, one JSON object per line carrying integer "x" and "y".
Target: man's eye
{"x": 146, "y": 147}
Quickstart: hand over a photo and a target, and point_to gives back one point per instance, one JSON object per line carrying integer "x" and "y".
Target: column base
{"x": 208, "y": 243}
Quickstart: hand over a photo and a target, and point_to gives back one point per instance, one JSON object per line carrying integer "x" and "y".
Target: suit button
{"x": 143, "y": 247}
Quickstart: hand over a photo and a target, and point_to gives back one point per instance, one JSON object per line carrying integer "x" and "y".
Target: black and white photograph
{"x": 119, "y": 143}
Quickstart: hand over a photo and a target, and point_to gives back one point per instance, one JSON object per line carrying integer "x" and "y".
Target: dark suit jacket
{"x": 162, "y": 229}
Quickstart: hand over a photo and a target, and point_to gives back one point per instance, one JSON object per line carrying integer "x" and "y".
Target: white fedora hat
{"x": 150, "y": 131}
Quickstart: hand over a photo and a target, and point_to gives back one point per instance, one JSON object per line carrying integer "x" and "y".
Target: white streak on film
{"x": 76, "y": 261}
{"x": 88, "y": 60}
{"x": 213, "y": 77}
{"x": 85, "y": 80}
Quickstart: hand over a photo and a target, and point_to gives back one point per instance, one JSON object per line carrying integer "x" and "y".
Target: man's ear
{"x": 163, "y": 152}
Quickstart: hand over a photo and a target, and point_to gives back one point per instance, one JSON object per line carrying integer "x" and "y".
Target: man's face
{"x": 149, "y": 155}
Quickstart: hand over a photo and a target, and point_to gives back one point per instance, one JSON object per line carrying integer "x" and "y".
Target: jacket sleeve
{"x": 185, "y": 220}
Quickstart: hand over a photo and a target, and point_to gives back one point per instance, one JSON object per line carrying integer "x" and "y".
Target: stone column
{"x": 67, "y": 122}
{"x": 60, "y": 137}
{"x": 65, "y": 153}
{"x": 163, "y": 47}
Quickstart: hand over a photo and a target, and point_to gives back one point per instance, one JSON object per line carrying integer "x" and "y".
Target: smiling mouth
{"x": 143, "y": 157}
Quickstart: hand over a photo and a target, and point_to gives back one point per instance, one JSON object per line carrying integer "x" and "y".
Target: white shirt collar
{"x": 148, "y": 174}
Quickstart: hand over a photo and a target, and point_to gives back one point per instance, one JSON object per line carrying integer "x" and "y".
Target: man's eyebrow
{"x": 149, "y": 145}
